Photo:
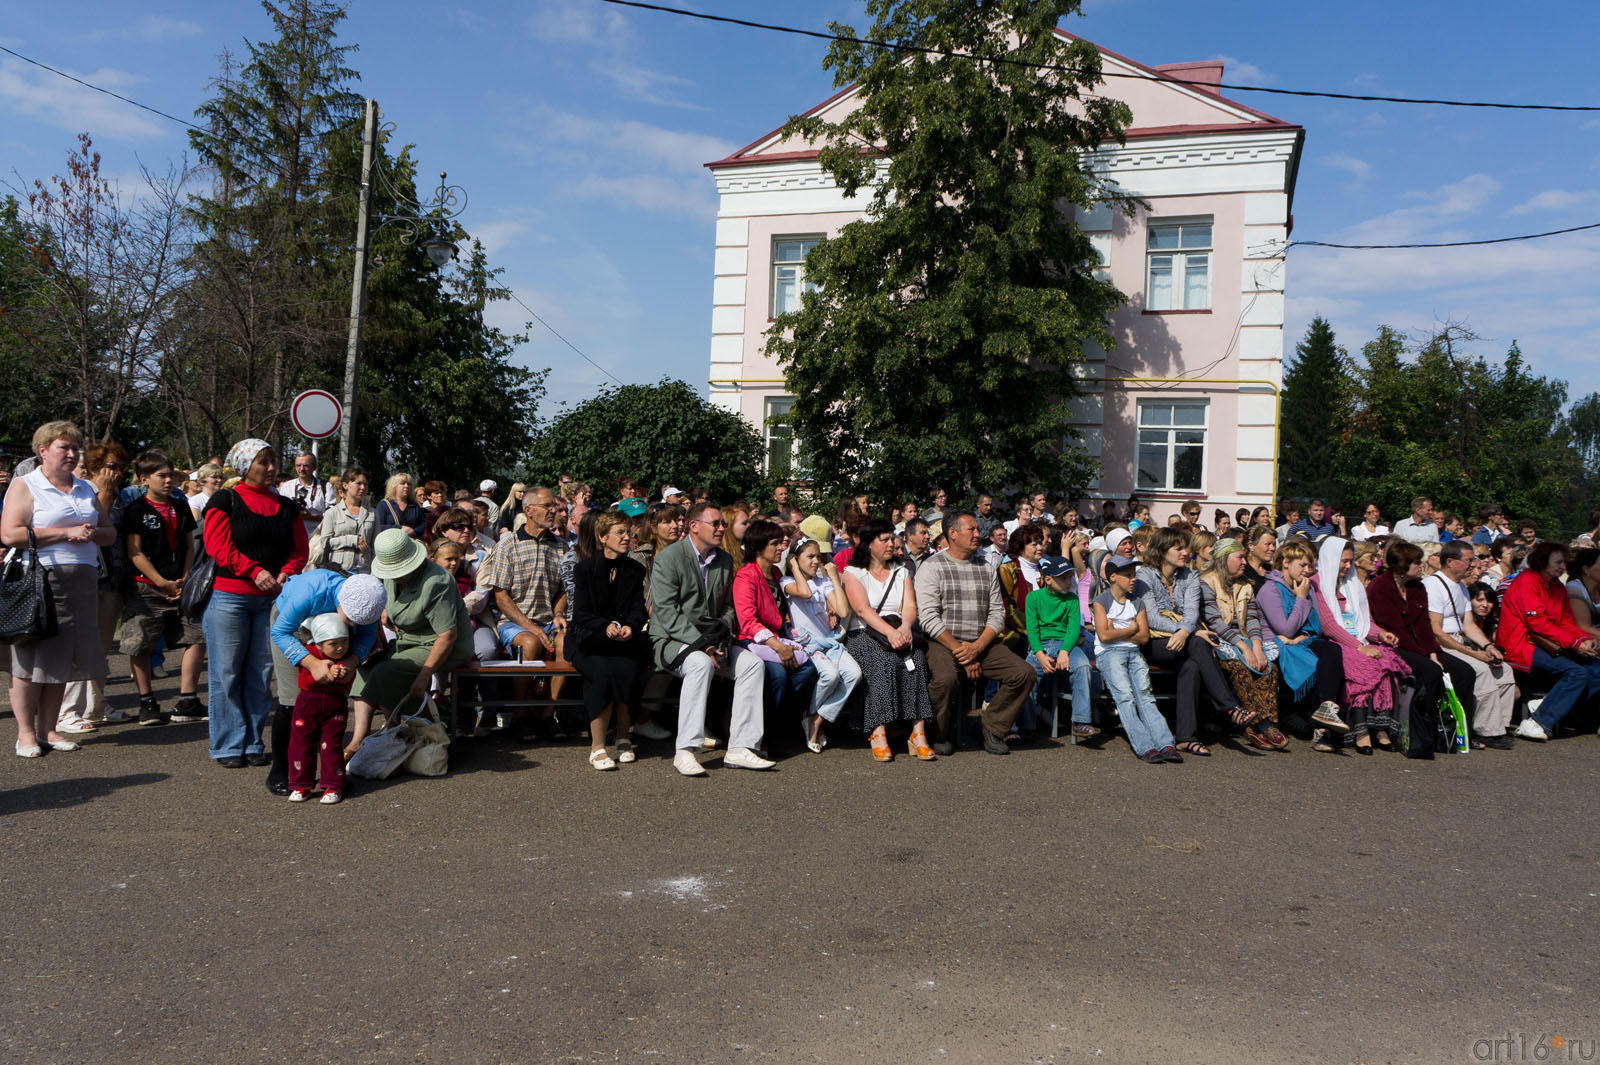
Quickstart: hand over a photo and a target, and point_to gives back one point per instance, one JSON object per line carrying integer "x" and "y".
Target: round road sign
{"x": 316, "y": 413}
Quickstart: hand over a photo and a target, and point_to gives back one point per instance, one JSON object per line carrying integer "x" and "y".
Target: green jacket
{"x": 679, "y": 598}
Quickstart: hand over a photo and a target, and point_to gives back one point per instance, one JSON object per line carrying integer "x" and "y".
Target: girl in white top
{"x": 816, "y": 595}
{"x": 1369, "y": 525}
{"x": 69, "y": 526}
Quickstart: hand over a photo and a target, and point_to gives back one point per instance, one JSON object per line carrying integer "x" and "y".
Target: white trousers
{"x": 83, "y": 702}
{"x": 1496, "y": 696}
{"x": 749, "y": 675}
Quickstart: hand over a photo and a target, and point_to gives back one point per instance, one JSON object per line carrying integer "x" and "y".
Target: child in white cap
{"x": 316, "y": 728}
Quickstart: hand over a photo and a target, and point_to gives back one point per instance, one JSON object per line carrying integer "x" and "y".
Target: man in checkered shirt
{"x": 523, "y": 575}
{"x": 960, "y": 607}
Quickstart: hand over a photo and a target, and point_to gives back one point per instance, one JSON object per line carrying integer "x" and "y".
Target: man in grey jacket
{"x": 690, "y": 581}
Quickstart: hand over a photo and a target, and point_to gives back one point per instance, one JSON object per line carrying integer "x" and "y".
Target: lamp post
{"x": 448, "y": 202}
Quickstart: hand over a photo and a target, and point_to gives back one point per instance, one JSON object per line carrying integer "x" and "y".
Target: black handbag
{"x": 27, "y": 602}
{"x": 197, "y": 587}
{"x": 919, "y": 639}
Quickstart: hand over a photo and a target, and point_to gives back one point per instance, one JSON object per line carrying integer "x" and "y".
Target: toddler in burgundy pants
{"x": 316, "y": 729}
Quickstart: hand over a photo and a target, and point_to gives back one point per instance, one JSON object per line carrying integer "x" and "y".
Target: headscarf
{"x": 1114, "y": 539}
{"x": 1233, "y": 597}
{"x": 1223, "y": 548}
{"x": 1355, "y": 596}
{"x": 242, "y": 454}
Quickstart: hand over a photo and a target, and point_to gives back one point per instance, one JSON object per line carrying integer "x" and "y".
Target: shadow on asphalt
{"x": 59, "y": 794}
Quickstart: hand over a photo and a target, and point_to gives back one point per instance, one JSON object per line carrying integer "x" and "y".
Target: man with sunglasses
{"x": 690, "y": 582}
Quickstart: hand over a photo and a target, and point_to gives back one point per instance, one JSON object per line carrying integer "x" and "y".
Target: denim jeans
{"x": 1577, "y": 681}
{"x": 784, "y": 684}
{"x": 1078, "y": 674}
{"x": 837, "y": 676}
{"x": 1128, "y": 676}
{"x": 239, "y": 661}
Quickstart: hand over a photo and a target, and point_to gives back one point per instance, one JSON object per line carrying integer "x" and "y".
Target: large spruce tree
{"x": 1317, "y": 394}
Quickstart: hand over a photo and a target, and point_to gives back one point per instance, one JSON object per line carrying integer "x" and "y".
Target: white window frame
{"x": 1101, "y": 242}
{"x": 1178, "y": 258}
{"x": 774, "y": 407}
{"x": 1147, "y": 422}
{"x": 802, "y": 286}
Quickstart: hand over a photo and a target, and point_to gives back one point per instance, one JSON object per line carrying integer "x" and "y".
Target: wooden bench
{"x": 507, "y": 671}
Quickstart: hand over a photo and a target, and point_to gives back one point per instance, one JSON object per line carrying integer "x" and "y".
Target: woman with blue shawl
{"x": 1308, "y": 662}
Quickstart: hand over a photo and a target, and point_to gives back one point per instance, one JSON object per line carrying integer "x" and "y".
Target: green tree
{"x": 33, "y": 386}
{"x": 1316, "y": 399}
{"x": 659, "y": 433}
{"x": 1585, "y": 421}
{"x": 939, "y": 342}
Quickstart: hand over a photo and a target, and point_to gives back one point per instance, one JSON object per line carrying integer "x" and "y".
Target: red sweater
{"x": 757, "y": 611}
{"x": 331, "y": 687}
{"x": 1531, "y": 604}
{"x": 230, "y": 560}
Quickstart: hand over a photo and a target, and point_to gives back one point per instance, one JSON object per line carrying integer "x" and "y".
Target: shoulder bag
{"x": 918, "y": 637}
{"x": 27, "y": 602}
{"x": 203, "y": 574}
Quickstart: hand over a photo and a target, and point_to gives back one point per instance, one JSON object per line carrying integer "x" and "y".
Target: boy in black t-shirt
{"x": 158, "y": 528}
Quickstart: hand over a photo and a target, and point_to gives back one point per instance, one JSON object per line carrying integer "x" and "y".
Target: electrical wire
{"x": 1155, "y": 76}
{"x": 108, "y": 92}
{"x": 563, "y": 339}
{"x": 1443, "y": 244}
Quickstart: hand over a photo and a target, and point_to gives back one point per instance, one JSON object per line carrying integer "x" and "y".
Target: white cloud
{"x": 575, "y": 22}
{"x": 1448, "y": 203}
{"x": 496, "y": 235}
{"x": 149, "y": 29}
{"x": 1555, "y": 200}
{"x": 655, "y": 193}
{"x": 676, "y": 150}
{"x": 28, "y": 91}
{"x": 1240, "y": 72}
{"x": 646, "y": 85}
{"x": 1359, "y": 169}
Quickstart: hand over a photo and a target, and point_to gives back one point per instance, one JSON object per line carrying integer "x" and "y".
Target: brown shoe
{"x": 1279, "y": 741}
{"x": 1257, "y": 740}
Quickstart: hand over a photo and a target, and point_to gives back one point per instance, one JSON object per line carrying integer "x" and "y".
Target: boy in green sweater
{"x": 1055, "y": 620}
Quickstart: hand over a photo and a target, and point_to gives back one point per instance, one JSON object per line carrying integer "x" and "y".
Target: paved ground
{"x": 1060, "y": 905}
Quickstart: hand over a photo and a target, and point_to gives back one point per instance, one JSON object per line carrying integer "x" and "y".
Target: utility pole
{"x": 358, "y": 292}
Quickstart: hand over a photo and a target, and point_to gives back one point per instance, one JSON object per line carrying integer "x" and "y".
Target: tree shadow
{"x": 60, "y": 794}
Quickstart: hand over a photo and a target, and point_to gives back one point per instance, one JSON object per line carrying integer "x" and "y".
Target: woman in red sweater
{"x": 1538, "y": 635}
{"x": 760, "y": 607}
{"x": 258, "y": 542}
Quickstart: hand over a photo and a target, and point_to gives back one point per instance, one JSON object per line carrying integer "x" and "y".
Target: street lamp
{"x": 428, "y": 217}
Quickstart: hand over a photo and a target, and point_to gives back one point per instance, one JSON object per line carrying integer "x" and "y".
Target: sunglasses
{"x": 457, "y": 527}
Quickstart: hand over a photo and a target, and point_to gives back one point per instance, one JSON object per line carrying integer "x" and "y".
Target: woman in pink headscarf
{"x": 1371, "y": 667}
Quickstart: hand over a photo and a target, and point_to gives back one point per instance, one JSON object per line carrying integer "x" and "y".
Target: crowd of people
{"x": 314, "y": 609}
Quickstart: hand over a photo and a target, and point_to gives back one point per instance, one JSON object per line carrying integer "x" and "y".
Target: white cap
{"x": 486, "y": 486}
{"x": 668, "y": 492}
{"x": 329, "y": 626}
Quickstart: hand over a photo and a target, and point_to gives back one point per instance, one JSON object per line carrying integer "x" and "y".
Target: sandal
{"x": 1195, "y": 747}
{"x": 1243, "y": 718}
{"x": 625, "y": 752}
{"x": 880, "y": 746}
{"x": 600, "y": 758}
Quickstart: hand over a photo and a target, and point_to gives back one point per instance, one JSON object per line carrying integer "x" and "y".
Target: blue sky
{"x": 579, "y": 130}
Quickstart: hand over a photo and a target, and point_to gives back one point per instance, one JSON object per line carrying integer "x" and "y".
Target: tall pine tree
{"x": 1317, "y": 403}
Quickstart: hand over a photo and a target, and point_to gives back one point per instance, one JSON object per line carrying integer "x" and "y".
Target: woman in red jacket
{"x": 1400, "y": 604}
{"x": 258, "y": 542}
{"x": 758, "y": 601}
{"x": 1538, "y": 635}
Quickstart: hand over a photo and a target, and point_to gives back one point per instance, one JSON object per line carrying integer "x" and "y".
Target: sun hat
{"x": 816, "y": 528}
{"x": 329, "y": 626}
{"x": 486, "y": 486}
{"x": 362, "y": 598}
{"x": 394, "y": 554}
{"x": 242, "y": 454}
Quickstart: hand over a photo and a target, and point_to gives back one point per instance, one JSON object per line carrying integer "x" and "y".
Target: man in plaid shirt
{"x": 523, "y": 574}
{"x": 960, "y": 607}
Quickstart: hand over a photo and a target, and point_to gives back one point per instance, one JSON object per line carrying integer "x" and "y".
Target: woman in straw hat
{"x": 435, "y": 632}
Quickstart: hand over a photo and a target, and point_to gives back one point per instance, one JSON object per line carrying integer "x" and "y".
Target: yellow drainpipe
{"x": 1277, "y": 396}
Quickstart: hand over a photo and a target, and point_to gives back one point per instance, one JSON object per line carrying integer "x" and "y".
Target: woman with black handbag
{"x": 60, "y": 517}
{"x": 883, "y": 641}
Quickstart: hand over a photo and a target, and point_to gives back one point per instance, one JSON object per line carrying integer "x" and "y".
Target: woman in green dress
{"x": 430, "y": 618}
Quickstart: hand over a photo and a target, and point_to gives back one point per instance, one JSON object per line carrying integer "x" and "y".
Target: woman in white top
{"x": 1583, "y": 590}
{"x": 1370, "y": 524}
{"x": 210, "y": 478}
{"x": 883, "y": 607}
{"x": 69, "y": 525}
{"x": 818, "y": 610}
{"x": 348, "y": 528}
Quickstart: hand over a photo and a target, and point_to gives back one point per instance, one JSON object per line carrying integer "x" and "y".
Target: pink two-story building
{"x": 1186, "y": 405}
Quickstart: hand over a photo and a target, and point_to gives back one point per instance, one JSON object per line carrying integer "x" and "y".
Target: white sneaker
{"x": 329, "y": 798}
{"x": 297, "y": 796}
{"x": 686, "y": 763}
{"x": 651, "y": 731}
{"x": 1530, "y": 730}
{"x": 745, "y": 758}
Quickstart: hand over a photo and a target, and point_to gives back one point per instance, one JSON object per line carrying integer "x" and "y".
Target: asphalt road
{"x": 1059, "y": 905}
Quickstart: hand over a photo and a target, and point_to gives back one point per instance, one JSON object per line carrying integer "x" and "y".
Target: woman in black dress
{"x": 606, "y": 638}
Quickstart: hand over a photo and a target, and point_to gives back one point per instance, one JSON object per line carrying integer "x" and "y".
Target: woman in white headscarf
{"x": 1371, "y": 667}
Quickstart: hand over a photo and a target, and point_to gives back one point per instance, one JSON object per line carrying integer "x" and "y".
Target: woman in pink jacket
{"x": 763, "y": 617}
{"x": 1371, "y": 666}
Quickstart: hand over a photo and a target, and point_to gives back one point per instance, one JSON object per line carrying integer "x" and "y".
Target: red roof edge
{"x": 1156, "y": 73}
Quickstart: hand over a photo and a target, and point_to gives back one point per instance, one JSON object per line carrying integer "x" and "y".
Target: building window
{"x": 1172, "y": 445}
{"x": 783, "y": 449}
{"x": 1101, "y": 243}
{"x": 789, "y": 272}
{"x": 1179, "y": 275}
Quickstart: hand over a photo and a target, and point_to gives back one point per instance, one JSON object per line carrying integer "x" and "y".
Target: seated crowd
{"x": 889, "y": 624}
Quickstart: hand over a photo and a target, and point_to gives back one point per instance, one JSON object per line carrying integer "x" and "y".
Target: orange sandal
{"x": 917, "y": 745}
{"x": 880, "y": 746}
